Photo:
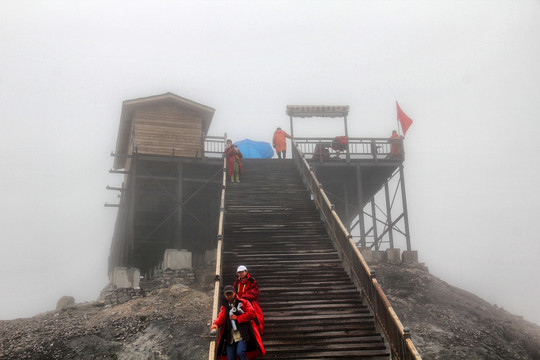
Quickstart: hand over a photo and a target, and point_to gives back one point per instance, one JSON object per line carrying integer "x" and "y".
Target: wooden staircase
{"x": 311, "y": 307}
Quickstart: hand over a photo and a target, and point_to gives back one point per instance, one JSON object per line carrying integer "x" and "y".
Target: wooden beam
{"x": 180, "y": 207}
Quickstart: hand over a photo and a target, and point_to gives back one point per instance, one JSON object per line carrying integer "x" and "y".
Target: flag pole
{"x": 397, "y": 120}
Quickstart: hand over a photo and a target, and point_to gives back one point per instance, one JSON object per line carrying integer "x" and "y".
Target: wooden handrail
{"x": 217, "y": 280}
{"x": 398, "y": 337}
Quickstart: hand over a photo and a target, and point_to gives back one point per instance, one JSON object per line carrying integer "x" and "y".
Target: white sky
{"x": 466, "y": 72}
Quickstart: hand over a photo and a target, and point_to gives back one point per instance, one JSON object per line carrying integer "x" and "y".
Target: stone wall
{"x": 114, "y": 295}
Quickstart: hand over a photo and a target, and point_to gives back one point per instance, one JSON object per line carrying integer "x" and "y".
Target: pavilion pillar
{"x": 348, "y": 156}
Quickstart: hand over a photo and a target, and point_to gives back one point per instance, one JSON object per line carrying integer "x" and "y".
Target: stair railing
{"x": 398, "y": 337}
{"x": 217, "y": 280}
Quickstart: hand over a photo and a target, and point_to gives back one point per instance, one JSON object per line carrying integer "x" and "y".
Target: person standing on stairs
{"x": 238, "y": 336}
{"x": 246, "y": 288}
{"x": 279, "y": 142}
{"x": 234, "y": 163}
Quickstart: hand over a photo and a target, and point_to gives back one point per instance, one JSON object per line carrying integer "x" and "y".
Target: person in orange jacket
{"x": 238, "y": 336}
{"x": 280, "y": 143}
{"x": 246, "y": 288}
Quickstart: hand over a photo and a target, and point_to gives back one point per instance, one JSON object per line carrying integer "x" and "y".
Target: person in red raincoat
{"x": 280, "y": 143}
{"x": 395, "y": 145}
{"x": 234, "y": 163}
{"x": 238, "y": 336}
{"x": 246, "y": 288}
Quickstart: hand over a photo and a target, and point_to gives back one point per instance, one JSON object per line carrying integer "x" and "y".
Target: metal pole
{"x": 405, "y": 214}
{"x": 374, "y": 219}
{"x": 389, "y": 215}
{"x": 360, "y": 207}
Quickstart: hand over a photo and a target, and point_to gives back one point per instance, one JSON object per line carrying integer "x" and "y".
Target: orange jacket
{"x": 279, "y": 142}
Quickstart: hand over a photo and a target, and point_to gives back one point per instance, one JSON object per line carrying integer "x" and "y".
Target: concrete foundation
{"x": 122, "y": 277}
{"x": 210, "y": 256}
{"x": 393, "y": 255}
{"x": 409, "y": 256}
{"x": 367, "y": 254}
{"x": 379, "y": 256}
{"x": 177, "y": 259}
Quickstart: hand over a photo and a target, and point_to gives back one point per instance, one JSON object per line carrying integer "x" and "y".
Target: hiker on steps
{"x": 234, "y": 163}
{"x": 246, "y": 288}
{"x": 238, "y": 336}
{"x": 279, "y": 142}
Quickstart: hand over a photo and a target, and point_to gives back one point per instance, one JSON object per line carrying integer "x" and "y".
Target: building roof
{"x": 304, "y": 111}
{"x": 128, "y": 106}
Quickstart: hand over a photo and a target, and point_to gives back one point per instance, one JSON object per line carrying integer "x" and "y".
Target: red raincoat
{"x": 249, "y": 290}
{"x": 231, "y": 154}
{"x": 255, "y": 348}
{"x": 395, "y": 145}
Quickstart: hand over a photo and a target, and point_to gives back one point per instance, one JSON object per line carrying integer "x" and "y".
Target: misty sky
{"x": 466, "y": 72}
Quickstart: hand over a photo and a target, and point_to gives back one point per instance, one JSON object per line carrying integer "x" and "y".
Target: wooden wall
{"x": 161, "y": 128}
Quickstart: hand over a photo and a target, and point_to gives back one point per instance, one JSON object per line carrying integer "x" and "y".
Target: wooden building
{"x": 170, "y": 194}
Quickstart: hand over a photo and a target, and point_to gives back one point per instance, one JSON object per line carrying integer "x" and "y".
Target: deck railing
{"x": 217, "y": 280}
{"x": 327, "y": 149}
{"x": 214, "y": 146}
{"x": 397, "y": 336}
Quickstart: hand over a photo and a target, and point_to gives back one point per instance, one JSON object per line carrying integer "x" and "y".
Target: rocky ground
{"x": 448, "y": 323}
{"x": 170, "y": 320}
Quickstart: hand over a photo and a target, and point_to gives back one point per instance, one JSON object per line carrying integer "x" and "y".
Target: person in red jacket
{"x": 234, "y": 163}
{"x": 246, "y": 288}
{"x": 280, "y": 143}
{"x": 238, "y": 336}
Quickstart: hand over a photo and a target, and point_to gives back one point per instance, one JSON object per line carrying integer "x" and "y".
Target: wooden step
{"x": 312, "y": 308}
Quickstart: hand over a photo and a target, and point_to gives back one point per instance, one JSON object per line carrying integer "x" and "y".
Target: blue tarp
{"x": 255, "y": 149}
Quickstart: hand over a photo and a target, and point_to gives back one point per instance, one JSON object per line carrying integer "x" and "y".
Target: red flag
{"x": 403, "y": 119}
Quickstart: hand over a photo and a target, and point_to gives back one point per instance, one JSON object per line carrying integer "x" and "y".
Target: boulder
{"x": 65, "y": 302}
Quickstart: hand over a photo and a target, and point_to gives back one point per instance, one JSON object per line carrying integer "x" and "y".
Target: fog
{"x": 466, "y": 72}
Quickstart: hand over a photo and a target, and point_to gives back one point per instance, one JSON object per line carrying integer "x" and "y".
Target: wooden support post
{"x": 130, "y": 223}
{"x": 389, "y": 215}
{"x": 179, "y": 204}
{"x": 405, "y": 214}
{"x": 360, "y": 207}
{"x": 292, "y": 134}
